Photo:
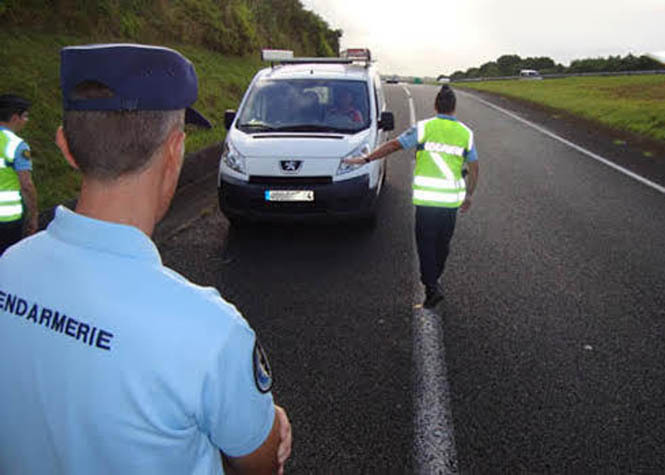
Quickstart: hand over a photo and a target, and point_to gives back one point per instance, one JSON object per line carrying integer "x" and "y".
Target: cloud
{"x": 427, "y": 37}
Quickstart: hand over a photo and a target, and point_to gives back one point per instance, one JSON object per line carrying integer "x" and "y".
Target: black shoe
{"x": 433, "y": 296}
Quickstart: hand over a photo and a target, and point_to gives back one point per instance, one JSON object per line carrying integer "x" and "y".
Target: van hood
{"x": 297, "y": 144}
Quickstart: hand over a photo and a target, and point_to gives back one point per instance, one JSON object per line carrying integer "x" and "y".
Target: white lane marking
{"x": 583, "y": 150}
{"x": 433, "y": 440}
{"x": 412, "y": 109}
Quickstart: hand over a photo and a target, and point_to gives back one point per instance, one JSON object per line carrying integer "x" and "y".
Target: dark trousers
{"x": 434, "y": 230}
{"x": 10, "y": 233}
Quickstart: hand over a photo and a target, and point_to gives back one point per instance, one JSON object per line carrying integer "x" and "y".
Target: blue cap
{"x": 142, "y": 77}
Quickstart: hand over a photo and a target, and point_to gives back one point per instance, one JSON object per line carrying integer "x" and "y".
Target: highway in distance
{"x": 553, "y": 325}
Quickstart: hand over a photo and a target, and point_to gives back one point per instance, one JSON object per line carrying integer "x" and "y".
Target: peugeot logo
{"x": 290, "y": 166}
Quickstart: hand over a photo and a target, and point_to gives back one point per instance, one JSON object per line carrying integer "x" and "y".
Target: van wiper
{"x": 312, "y": 128}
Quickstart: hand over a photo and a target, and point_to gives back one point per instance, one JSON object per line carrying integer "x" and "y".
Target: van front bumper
{"x": 347, "y": 198}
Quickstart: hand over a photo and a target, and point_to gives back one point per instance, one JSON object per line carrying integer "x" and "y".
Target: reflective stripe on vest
{"x": 438, "y": 183}
{"x": 11, "y": 207}
{"x": 439, "y": 196}
{"x": 6, "y": 196}
{"x": 442, "y": 146}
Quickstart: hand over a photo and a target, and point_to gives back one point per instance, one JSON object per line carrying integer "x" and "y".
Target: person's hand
{"x": 354, "y": 161}
{"x": 285, "y": 439}
{"x": 466, "y": 204}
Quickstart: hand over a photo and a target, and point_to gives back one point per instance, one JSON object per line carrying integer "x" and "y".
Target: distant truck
{"x": 530, "y": 74}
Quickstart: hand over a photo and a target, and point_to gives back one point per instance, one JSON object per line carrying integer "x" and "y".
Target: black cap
{"x": 12, "y": 101}
{"x": 141, "y": 77}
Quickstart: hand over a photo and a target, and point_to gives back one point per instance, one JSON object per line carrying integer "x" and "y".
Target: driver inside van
{"x": 344, "y": 106}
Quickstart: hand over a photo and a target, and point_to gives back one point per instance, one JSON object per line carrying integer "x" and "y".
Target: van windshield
{"x": 306, "y": 105}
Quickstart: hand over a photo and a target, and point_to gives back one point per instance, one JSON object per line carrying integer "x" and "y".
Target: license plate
{"x": 289, "y": 195}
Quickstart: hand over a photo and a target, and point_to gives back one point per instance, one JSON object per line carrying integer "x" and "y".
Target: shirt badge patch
{"x": 262, "y": 371}
{"x": 26, "y": 154}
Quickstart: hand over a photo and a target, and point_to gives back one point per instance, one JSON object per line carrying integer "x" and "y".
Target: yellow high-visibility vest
{"x": 11, "y": 207}
{"x": 442, "y": 148}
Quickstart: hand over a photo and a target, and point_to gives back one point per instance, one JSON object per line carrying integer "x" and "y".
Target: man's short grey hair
{"x": 109, "y": 144}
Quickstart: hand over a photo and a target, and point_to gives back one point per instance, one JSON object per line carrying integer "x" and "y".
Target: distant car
{"x": 392, "y": 80}
{"x": 530, "y": 74}
{"x": 282, "y": 157}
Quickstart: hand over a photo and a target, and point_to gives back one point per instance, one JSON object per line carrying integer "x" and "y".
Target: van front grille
{"x": 290, "y": 180}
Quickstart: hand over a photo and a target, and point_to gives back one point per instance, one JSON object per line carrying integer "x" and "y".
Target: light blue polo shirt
{"x": 21, "y": 157}
{"x": 112, "y": 363}
{"x": 409, "y": 139}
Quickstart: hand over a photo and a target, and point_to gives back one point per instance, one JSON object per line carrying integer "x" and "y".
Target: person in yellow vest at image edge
{"x": 110, "y": 362}
{"x": 444, "y": 145}
{"x": 18, "y": 196}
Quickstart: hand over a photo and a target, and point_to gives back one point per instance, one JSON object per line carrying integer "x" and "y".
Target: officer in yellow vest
{"x": 444, "y": 145}
{"x": 18, "y": 197}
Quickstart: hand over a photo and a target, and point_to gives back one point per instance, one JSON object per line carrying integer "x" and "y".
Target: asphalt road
{"x": 553, "y": 325}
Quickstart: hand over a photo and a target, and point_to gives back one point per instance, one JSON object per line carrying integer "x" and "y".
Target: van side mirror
{"x": 229, "y": 116}
{"x": 387, "y": 121}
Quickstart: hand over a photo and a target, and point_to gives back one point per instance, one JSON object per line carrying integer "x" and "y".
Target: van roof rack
{"x": 347, "y": 56}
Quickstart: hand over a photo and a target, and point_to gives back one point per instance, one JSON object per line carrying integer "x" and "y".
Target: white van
{"x": 298, "y": 119}
{"x": 530, "y": 74}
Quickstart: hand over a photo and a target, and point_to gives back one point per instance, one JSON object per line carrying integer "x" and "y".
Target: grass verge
{"x": 32, "y": 68}
{"x": 634, "y": 104}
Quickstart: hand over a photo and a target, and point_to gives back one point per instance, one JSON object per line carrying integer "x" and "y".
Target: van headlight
{"x": 360, "y": 151}
{"x": 232, "y": 158}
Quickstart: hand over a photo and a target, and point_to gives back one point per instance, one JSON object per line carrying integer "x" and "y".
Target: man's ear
{"x": 174, "y": 152}
{"x": 175, "y": 145}
{"x": 61, "y": 142}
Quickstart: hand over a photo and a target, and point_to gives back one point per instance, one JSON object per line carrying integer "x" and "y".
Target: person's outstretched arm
{"x": 380, "y": 152}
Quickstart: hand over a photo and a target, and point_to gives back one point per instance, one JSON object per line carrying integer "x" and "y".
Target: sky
{"x": 432, "y": 37}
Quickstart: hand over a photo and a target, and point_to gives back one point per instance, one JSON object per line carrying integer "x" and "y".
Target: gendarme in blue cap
{"x": 142, "y": 77}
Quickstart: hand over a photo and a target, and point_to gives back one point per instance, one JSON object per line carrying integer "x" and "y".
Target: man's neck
{"x": 121, "y": 201}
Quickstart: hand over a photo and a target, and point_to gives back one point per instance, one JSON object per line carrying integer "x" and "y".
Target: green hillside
{"x": 231, "y": 27}
{"x": 222, "y": 39}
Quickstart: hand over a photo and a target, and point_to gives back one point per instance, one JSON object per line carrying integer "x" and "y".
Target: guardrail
{"x": 559, "y": 76}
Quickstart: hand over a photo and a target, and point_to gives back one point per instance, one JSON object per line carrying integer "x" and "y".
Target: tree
{"x": 472, "y": 73}
{"x": 490, "y": 69}
{"x": 457, "y": 75}
{"x": 509, "y": 64}
{"x": 538, "y": 63}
